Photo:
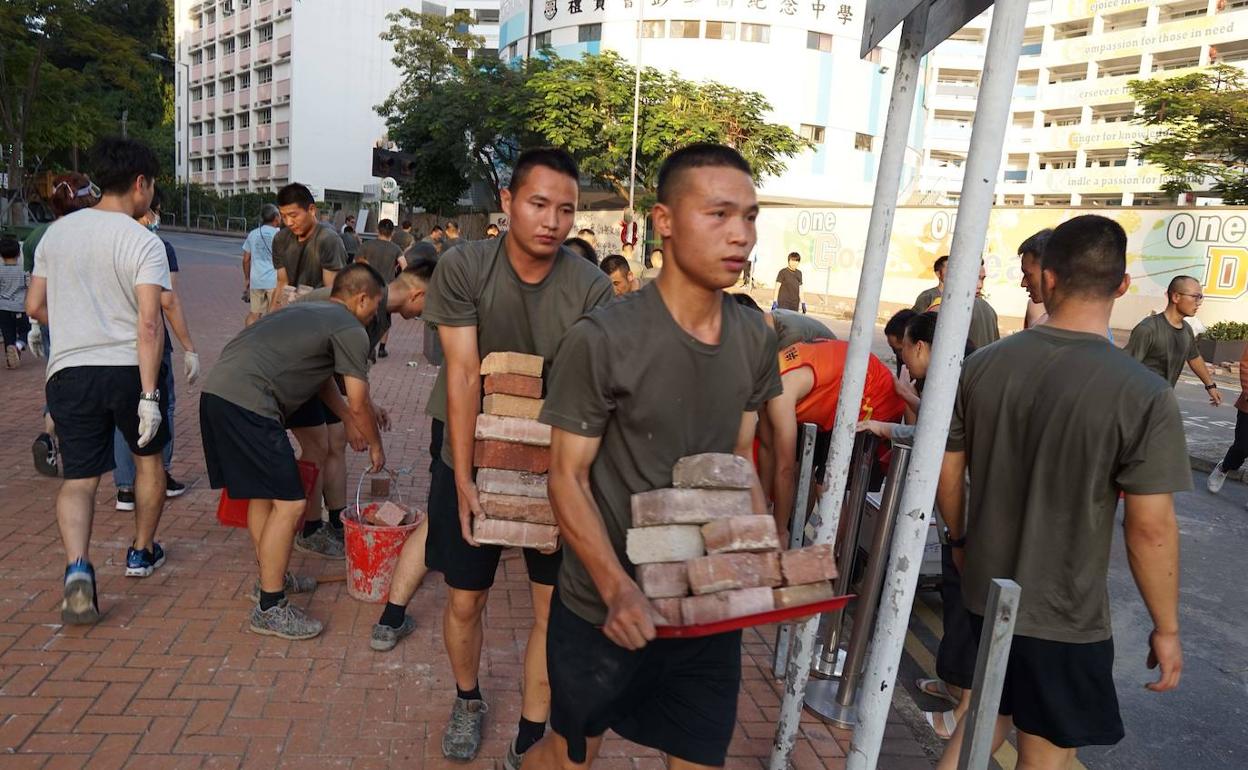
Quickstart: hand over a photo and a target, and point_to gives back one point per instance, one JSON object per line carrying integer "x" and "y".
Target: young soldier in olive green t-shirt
{"x": 1164, "y": 342}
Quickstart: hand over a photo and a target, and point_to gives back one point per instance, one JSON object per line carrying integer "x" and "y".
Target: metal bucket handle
{"x": 394, "y": 486}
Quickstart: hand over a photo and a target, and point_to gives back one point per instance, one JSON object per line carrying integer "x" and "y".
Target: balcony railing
{"x": 282, "y": 89}
{"x": 281, "y": 131}
{"x": 244, "y": 98}
{"x": 197, "y": 145}
{"x": 226, "y": 175}
{"x": 264, "y": 134}
{"x": 226, "y": 139}
{"x": 283, "y": 46}
{"x": 263, "y": 171}
{"x": 264, "y": 53}
{"x": 264, "y": 93}
{"x": 225, "y": 63}
{"x": 282, "y": 171}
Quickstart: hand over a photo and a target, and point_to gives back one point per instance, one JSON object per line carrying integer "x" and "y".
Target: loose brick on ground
{"x": 517, "y": 483}
{"x": 515, "y": 508}
{"x": 675, "y": 542}
{"x": 725, "y": 605}
{"x": 808, "y": 565}
{"x": 512, "y": 406}
{"x": 728, "y": 571}
{"x": 713, "y": 470}
{"x": 491, "y": 427}
{"x": 663, "y": 580}
{"x": 741, "y": 533}
{"x": 513, "y": 385}
{"x": 511, "y": 457}
{"x": 523, "y": 364}
{"x": 519, "y": 534}
{"x": 688, "y": 506}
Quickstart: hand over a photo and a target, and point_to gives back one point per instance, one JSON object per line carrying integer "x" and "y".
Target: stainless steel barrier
{"x": 797, "y": 531}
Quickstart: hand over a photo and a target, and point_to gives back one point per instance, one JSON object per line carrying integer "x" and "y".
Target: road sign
{"x": 388, "y": 186}
{"x": 944, "y": 17}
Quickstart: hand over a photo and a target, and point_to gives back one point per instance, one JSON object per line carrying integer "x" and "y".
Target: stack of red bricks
{"x": 512, "y": 456}
{"x": 703, "y": 556}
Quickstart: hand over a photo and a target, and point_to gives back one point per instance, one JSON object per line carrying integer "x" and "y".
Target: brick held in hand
{"x": 675, "y": 542}
{"x": 726, "y": 605}
{"x": 741, "y": 534}
{"x": 808, "y": 565}
{"x": 514, "y": 508}
{"x": 511, "y": 457}
{"x": 518, "y": 483}
{"x": 670, "y": 610}
{"x": 513, "y": 385}
{"x": 512, "y": 406}
{"x": 688, "y": 506}
{"x": 519, "y": 534}
{"x": 513, "y": 430}
{"x": 663, "y": 580}
{"x": 713, "y": 470}
{"x": 796, "y": 596}
{"x": 523, "y": 364}
{"x": 729, "y": 571}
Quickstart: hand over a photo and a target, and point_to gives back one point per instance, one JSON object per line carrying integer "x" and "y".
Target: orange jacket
{"x": 826, "y": 360}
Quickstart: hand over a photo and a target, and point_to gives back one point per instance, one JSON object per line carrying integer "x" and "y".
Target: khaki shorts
{"x": 261, "y": 299}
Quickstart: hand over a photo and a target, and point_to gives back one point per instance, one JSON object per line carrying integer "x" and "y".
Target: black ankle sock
{"x": 393, "y": 615}
{"x": 270, "y": 600}
{"x": 473, "y": 694}
{"x": 529, "y": 734}
{"x": 335, "y": 517}
{"x": 310, "y": 527}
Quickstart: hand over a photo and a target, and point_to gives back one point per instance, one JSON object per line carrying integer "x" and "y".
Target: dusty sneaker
{"x": 45, "y": 454}
{"x": 293, "y": 584}
{"x": 386, "y": 637}
{"x": 321, "y": 543}
{"x": 284, "y": 620}
{"x": 514, "y": 758}
{"x": 462, "y": 739}
{"x": 80, "y": 606}
{"x": 11, "y": 357}
{"x": 1217, "y": 477}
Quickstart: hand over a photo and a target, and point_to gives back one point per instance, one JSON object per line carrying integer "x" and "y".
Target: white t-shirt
{"x": 93, "y": 260}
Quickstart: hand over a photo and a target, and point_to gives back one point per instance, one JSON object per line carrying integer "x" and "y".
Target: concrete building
{"x": 283, "y": 91}
{"x": 801, "y": 56}
{"x": 1071, "y": 135}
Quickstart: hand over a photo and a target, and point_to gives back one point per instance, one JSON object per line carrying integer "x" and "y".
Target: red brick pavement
{"x": 171, "y": 678}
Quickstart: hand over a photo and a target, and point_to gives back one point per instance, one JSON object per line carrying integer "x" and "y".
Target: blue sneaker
{"x": 142, "y": 563}
{"x": 80, "y": 606}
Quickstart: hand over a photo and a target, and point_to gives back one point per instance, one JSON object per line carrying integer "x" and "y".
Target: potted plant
{"x": 1223, "y": 342}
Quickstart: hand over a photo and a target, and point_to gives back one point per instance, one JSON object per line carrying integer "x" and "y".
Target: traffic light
{"x": 400, "y": 165}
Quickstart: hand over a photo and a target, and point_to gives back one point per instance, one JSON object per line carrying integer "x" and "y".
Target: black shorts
{"x": 959, "y": 647}
{"x": 1060, "y": 691}
{"x": 247, "y": 454}
{"x": 467, "y": 567}
{"x": 312, "y": 414}
{"x": 87, "y": 403}
{"x": 823, "y": 444}
{"x": 675, "y": 695}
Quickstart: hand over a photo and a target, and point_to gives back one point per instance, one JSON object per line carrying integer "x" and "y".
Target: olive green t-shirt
{"x": 793, "y": 327}
{"x": 925, "y": 299}
{"x": 383, "y": 256}
{"x": 475, "y": 285}
{"x": 983, "y": 330}
{"x": 375, "y": 328}
{"x": 403, "y": 239}
{"x": 1161, "y": 347}
{"x": 629, "y": 374}
{"x": 275, "y": 365}
{"x": 304, "y": 261}
{"x": 1055, "y": 424}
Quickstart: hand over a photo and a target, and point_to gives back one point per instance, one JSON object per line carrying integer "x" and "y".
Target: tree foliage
{"x": 1204, "y": 117}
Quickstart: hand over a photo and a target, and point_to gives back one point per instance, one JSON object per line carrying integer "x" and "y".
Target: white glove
{"x": 191, "y": 359}
{"x": 149, "y": 421}
{"x": 35, "y": 340}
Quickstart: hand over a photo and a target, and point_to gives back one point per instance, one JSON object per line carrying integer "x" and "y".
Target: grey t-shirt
{"x": 629, "y": 374}
{"x": 376, "y": 328}
{"x": 305, "y": 260}
{"x": 1054, "y": 424}
{"x": 475, "y": 285}
{"x": 403, "y": 239}
{"x": 925, "y": 299}
{"x": 1161, "y": 347}
{"x": 983, "y": 330}
{"x": 275, "y": 365}
{"x": 351, "y": 242}
{"x": 793, "y": 327}
{"x": 383, "y": 256}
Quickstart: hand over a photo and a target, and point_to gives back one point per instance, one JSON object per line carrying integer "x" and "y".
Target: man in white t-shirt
{"x": 98, "y": 279}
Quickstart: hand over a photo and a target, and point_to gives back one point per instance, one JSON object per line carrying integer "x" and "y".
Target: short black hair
{"x": 1176, "y": 283}
{"x": 356, "y": 278}
{"x": 420, "y": 268}
{"x": 922, "y": 328}
{"x": 940, "y": 263}
{"x": 584, "y": 231}
{"x": 491, "y": 226}
{"x": 1087, "y": 256}
{"x": 385, "y": 227}
{"x": 348, "y": 229}
{"x": 699, "y": 155}
{"x": 407, "y": 224}
{"x": 896, "y": 326}
{"x": 1034, "y": 245}
{"x": 795, "y": 255}
{"x": 296, "y": 194}
{"x": 556, "y": 159}
{"x": 582, "y": 247}
{"x": 436, "y": 229}
{"x": 745, "y": 300}
{"x": 614, "y": 263}
{"x": 10, "y": 248}
{"x": 117, "y": 162}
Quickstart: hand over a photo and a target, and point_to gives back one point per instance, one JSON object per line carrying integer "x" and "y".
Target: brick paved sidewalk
{"x": 171, "y": 678}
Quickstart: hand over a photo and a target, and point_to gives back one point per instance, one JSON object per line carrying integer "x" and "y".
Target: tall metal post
{"x": 995, "y": 641}
{"x": 632, "y": 169}
{"x": 879, "y": 231}
{"x": 987, "y": 136}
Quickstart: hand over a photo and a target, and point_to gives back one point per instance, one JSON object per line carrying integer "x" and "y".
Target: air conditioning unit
{"x": 283, "y": 98}
{"x": 283, "y": 140}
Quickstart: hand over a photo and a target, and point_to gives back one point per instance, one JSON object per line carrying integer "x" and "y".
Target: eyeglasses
{"x": 1197, "y": 297}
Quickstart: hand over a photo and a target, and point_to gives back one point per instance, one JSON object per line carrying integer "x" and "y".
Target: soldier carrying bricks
{"x": 517, "y": 294}
{"x": 673, "y": 370}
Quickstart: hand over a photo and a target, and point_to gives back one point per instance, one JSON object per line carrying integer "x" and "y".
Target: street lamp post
{"x": 186, "y": 121}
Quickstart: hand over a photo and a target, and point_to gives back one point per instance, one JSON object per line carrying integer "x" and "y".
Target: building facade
{"x": 801, "y": 55}
{"x": 1071, "y": 133}
{"x": 274, "y": 91}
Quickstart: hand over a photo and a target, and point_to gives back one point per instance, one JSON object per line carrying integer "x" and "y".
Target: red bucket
{"x": 233, "y": 513}
{"x": 372, "y": 551}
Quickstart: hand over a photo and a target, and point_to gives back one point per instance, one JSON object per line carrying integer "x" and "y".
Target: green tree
{"x": 1204, "y": 117}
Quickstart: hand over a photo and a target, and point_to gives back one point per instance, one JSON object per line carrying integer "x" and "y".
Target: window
{"x": 459, "y": 53}
{"x": 227, "y": 85}
{"x": 227, "y": 123}
{"x": 227, "y": 46}
{"x": 264, "y": 75}
{"x": 210, "y": 17}
{"x": 265, "y": 33}
{"x": 864, "y": 142}
{"x": 755, "y": 33}
{"x": 588, "y": 33}
{"x": 197, "y": 56}
{"x": 197, "y": 129}
{"x": 487, "y": 16}
{"x": 227, "y": 161}
{"x": 264, "y": 157}
{"x": 244, "y": 120}
{"x": 210, "y": 164}
{"x": 819, "y": 41}
{"x": 243, "y": 160}
{"x": 684, "y": 29}
{"x": 197, "y": 165}
{"x": 197, "y": 94}
{"x": 812, "y": 133}
{"x": 727, "y": 30}
{"x": 212, "y": 52}
{"x": 244, "y": 4}
{"x": 244, "y": 41}
{"x": 210, "y": 90}
{"x": 653, "y": 28}
{"x": 513, "y": 51}
{"x": 486, "y": 53}
{"x": 541, "y": 40}
{"x": 244, "y": 80}
{"x": 227, "y": 9}
{"x": 210, "y": 126}
{"x": 264, "y": 117}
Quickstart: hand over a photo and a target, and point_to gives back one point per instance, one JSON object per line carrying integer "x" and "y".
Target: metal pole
{"x": 994, "y": 652}
{"x": 186, "y": 134}
{"x": 797, "y": 533}
{"x": 987, "y": 136}
{"x": 632, "y": 172}
{"x": 887, "y": 186}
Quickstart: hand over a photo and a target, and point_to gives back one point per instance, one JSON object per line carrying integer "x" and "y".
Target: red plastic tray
{"x": 757, "y": 619}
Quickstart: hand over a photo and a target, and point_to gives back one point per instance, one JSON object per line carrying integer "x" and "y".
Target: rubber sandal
{"x": 935, "y": 688}
{"x": 947, "y": 723}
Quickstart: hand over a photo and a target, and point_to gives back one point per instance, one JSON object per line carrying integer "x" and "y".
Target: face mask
{"x": 154, "y": 225}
